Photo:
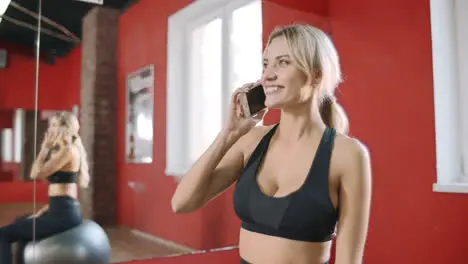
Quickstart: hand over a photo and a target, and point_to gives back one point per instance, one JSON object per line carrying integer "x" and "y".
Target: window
{"x": 12, "y": 139}
{"x": 144, "y": 127}
{"x": 7, "y": 145}
{"x": 214, "y": 46}
{"x": 18, "y": 134}
{"x": 449, "y": 26}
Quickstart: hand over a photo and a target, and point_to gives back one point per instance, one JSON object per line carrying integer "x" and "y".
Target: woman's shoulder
{"x": 256, "y": 134}
{"x": 349, "y": 151}
{"x": 260, "y": 131}
{"x": 69, "y": 149}
{"x": 250, "y": 140}
{"x": 349, "y": 145}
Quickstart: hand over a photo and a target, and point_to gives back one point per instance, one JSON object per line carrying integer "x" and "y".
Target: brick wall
{"x": 98, "y": 112}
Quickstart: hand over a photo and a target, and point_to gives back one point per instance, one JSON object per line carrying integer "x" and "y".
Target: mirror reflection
{"x": 21, "y": 197}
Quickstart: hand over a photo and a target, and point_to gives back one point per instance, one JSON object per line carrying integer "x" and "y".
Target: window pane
{"x": 461, "y": 12}
{"x": 246, "y": 44}
{"x": 205, "y": 86}
{"x": 7, "y": 145}
{"x": 18, "y": 137}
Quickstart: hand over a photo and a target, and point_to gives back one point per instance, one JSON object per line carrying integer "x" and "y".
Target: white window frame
{"x": 7, "y": 144}
{"x": 198, "y": 12}
{"x": 18, "y": 134}
{"x": 449, "y": 27}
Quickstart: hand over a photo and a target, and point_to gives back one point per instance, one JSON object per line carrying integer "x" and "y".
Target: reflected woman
{"x": 299, "y": 181}
{"x": 62, "y": 162}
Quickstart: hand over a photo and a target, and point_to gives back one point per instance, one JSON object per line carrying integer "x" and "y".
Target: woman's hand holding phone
{"x": 56, "y": 136}
{"x": 238, "y": 123}
{"x": 50, "y": 138}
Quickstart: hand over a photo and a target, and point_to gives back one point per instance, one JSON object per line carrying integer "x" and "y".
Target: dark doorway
{"x": 28, "y": 146}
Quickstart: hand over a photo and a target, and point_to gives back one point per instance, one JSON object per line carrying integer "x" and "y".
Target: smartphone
{"x": 253, "y": 101}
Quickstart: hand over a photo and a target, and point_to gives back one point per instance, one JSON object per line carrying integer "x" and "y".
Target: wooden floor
{"x": 126, "y": 244}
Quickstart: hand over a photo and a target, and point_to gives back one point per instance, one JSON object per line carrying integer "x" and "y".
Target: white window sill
{"x": 178, "y": 173}
{"x": 461, "y": 187}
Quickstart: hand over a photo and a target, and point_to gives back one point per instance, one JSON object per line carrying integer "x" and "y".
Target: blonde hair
{"x": 69, "y": 120}
{"x": 316, "y": 56}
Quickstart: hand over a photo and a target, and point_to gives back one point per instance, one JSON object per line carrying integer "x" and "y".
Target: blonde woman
{"x": 298, "y": 181}
{"x": 62, "y": 162}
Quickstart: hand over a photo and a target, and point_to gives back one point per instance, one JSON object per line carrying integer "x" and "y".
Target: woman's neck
{"x": 300, "y": 121}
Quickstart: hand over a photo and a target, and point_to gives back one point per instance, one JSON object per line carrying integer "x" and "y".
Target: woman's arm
{"x": 39, "y": 161}
{"x": 213, "y": 172}
{"x": 355, "y": 199}
{"x": 222, "y": 162}
{"x": 41, "y": 168}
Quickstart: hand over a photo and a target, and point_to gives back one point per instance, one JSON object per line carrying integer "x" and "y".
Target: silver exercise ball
{"x": 84, "y": 244}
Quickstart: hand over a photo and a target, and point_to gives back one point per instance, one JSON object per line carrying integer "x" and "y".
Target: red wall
{"x": 22, "y": 192}
{"x": 142, "y": 40}
{"x": 385, "y": 49}
{"x": 6, "y": 118}
{"x": 61, "y": 80}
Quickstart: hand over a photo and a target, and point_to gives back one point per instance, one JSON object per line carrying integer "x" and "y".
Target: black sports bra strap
{"x": 329, "y": 141}
{"x": 329, "y": 136}
{"x": 261, "y": 147}
{"x": 321, "y": 164}
{"x": 326, "y": 145}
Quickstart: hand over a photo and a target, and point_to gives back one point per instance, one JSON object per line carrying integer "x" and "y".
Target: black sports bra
{"x": 305, "y": 215}
{"x": 63, "y": 177}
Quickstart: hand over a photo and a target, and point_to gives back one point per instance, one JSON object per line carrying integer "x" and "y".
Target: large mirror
{"x": 133, "y": 73}
{"x": 22, "y": 124}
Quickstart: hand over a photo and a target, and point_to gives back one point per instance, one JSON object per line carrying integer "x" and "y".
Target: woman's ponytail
{"x": 333, "y": 115}
{"x": 83, "y": 178}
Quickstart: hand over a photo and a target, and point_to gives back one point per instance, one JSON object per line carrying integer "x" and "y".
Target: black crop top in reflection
{"x": 63, "y": 177}
{"x": 305, "y": 215}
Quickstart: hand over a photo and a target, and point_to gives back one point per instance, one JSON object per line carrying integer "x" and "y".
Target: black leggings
{"x": 64, "y": 213}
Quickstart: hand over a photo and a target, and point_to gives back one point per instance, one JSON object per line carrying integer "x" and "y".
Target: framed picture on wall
{"x": 140, "y": 119}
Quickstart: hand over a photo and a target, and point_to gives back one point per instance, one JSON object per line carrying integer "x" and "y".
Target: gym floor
{"x": 126, "y": 245}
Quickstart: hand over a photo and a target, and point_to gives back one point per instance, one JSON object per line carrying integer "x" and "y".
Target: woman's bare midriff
{"x": 60, "y": 189}
{"x": 262, "y": 249}
{"x": 65, "y": 189}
